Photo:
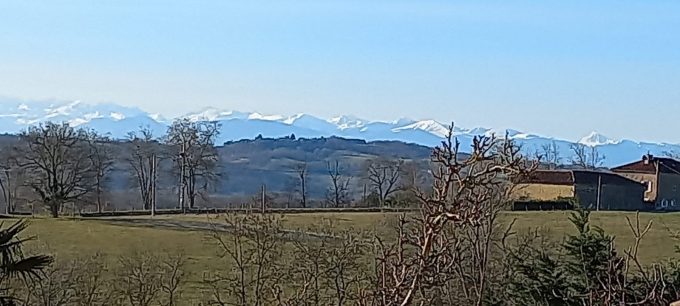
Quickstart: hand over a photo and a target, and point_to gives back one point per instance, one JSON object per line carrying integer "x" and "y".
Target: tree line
{"x": 60, "y": 164}
{"x": 583, "y": 156}
{"x": 454, "y": 251}
{"x": 53, "y": 164}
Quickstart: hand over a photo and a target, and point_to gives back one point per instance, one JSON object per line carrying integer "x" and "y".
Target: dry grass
{"x": 72, "y": 238}
{"x": 658, "y": 245}
{"x": 69, "y": 238}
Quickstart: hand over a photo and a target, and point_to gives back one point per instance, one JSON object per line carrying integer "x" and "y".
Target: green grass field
{"x": 71, "y": 238}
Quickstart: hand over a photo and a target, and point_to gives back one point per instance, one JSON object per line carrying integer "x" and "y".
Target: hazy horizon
{"x": 22, "y": 105}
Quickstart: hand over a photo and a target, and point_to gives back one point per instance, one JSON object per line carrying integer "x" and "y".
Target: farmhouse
{"x": 661, "y": 176}
{"x": 596, "y": 190}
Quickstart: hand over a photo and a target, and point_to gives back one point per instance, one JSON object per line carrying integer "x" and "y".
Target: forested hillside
{"x": 243, "y": 167}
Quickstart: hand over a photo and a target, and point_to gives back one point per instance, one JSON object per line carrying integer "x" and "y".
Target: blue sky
{"x": 558, "y": 68}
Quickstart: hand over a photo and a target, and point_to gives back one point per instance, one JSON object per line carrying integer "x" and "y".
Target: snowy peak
{"x": 117, "y": 116}
{"x": 117, "y": 121}
{"x": 55, "y": 110}
{"x": 429, "y": 126}
{"x": 292, "y": 119}
{"x": 596, "y": 139}
{"x": 16, "y": 115}
{"x": 258, "y": 116}
{"x": 23, "y": 107}
{"x": 347, "y": 122}
{"x": 403, "y": 121}
{"x": 213, "y": 114}
{"x": 512, "y": 134}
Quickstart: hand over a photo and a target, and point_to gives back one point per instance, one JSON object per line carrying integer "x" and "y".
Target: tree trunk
{"x": 7, "y": 192}
{"x": 192, "y": 188}
{"x": 304, "y": 195}
{"x": 337, "y": 196}
{"x": 54, "y": 209}
{"x": 99, "y": 199}
{"x": 303, "y": 184}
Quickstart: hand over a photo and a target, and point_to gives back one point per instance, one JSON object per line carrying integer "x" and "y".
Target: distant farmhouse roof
{"x": 650, "y": 165}
{"x": 576, "y": 176}
{"x": 549, "y": 177}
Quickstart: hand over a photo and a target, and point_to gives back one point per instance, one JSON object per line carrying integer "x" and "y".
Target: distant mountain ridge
{"x": 118, "y": 121}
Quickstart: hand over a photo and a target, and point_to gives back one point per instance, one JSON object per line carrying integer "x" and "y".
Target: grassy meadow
{"x": 112, "y": 238}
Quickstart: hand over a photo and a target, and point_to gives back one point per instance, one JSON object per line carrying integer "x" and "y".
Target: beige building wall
{"x": 543, "y": 192}
{"x": 650, "y": 195}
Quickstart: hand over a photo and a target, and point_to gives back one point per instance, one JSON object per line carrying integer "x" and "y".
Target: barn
{"x": 590, "y": 189}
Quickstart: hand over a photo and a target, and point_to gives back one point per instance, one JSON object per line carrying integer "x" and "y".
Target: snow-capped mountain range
{"x": 118, "y": 121}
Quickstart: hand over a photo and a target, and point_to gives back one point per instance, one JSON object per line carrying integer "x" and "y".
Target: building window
{"x": 649, "y": 185}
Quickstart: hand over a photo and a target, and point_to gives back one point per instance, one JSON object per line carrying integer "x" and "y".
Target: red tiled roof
{"x": 638, "y": 166}
{"x": 666, "y": 165}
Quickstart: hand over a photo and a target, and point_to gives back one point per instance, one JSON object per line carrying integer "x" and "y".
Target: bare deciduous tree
{"x": 421, "y": 260}
{"x": 145, "y": 279}
{"x": 77, "y": 282}
{"x": 301, "y": 173}
{"x": 412, "y": 179}
{"x": 91, "y": 287}
{"x": 551, "y": 154}
{"x": 195, "y": 156}
{"x": 56, "y": 159}
{"x": 479, "y": 249}
{"x": 253, "y": 251}
{"x": 102, "y": 157}
{"x": 329, "y": 270}
{"x": 412, "y": 176}
{"x": 586, "y": 157}
{"x": 596, "y": 159}
{"x": 143, "y": 162}
{"x": 172, "y": 278}
{"x": 138, "y": 281}
{"x": 11, "y": 178}
{"x": 383, "y": 176}
{"x": 337, "y": 194}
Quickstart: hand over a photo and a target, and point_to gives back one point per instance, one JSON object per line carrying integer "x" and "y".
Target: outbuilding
{"x": 660, "y": 176}
{"x": 590, "y": 189}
